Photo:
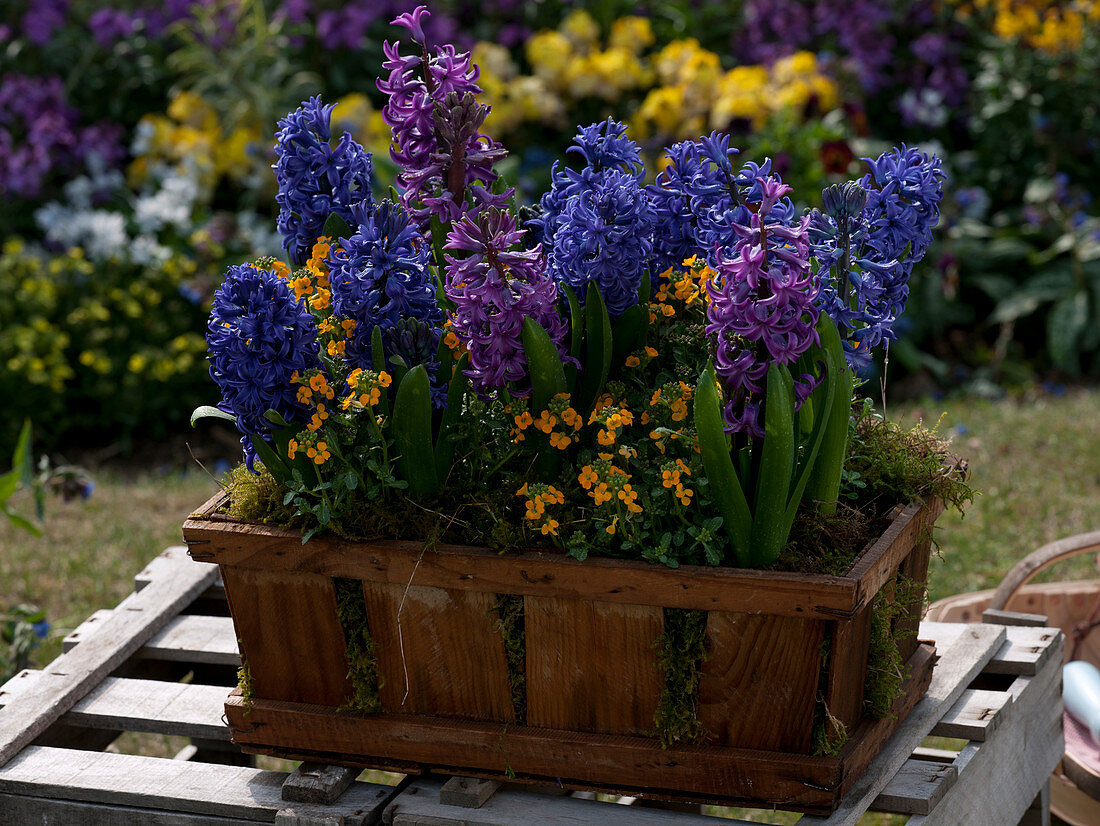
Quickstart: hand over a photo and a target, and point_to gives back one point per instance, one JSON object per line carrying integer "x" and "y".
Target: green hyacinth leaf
{"x": 576, "y": 337}
{"x": 823, "y": 487}
{"x": 336, "y": 227}
{"x": 544, "y": 365}
{"x": 412, "y": 430}
{"x": 598, "y": 348}
{"x": 714, "y": 448}
{"x": 444, "y": 443}
{"x": 776, "y": 467}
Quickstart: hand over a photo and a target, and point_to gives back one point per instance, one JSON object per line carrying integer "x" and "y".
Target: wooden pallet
{"x": 164, "y": 660}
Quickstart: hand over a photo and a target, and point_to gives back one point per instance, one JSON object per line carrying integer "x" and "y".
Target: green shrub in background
{"x": 100, "y": 351}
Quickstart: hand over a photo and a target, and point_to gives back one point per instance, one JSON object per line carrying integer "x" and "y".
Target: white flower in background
{"x": 101, "y": 233}
{"x": 146, "y": 250}
{"x": 170, "y": 206}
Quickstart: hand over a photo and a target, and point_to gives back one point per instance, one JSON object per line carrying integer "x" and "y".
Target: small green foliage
{"x": 888, "y": 464}
{"x": 351, "y": 610}
{"x": 252, "y": 496}
{"x": 244, "y": 683}
{"x": 885, "y": 669}
{"x": 681, "y": 650}
{"x": 830, "y": 734}
{"x": 508, "y": 611}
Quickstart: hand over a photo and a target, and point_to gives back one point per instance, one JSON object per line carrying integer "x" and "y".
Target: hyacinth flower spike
{"x": 762, "y": 320}
{"x": 446, "y": 164}
{"x": 866, "y": 239}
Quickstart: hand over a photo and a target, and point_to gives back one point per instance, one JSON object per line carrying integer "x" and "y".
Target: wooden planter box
{"x": 592, "y": 683}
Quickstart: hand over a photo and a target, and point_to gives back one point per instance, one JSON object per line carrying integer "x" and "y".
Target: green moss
{"x": 885, "y": 669}
{"x": 244, "y": 683}
{"x": 829, "y": 733}
{"x": 898, "y": 465}
{"x": 681, "y": 650}
{"x": 508, "y": 611}
{"x": 351, "y": 610}
{"x": 256, "y": 497}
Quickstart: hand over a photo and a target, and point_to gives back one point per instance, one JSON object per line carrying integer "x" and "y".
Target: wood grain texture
{"x": 71, "y": 676}
{"x": 975, "y": 715}
{"x": 166, "y": 785}
{"x": 190, "y": 638}
{"x": 246, "y": 545}
{"x": 768, "y": 669}
{"x": 419, "y": 806}
{"x": 17, "y": 810}
{"x": 614, "y": 763}
{"x": 848, "y": 668}
{"x": 959, "y": 663}
{"x": 914, "y": 570}
{"x": 591, "y": 666}
{"x": 438, "y": 652}
{"x": 289, "y": 635}
{"x": 121, "y": 704}
{"x": 916, "y": 788}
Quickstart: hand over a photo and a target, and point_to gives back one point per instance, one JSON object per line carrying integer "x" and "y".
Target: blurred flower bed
{"x": 136, "y": 159}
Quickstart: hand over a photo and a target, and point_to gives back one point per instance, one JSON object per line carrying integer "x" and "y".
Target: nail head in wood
{"x": 467, "y": 792}
{"x": 317, "y": 783}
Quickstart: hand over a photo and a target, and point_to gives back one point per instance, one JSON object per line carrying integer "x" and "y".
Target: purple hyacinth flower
{"x": 446, "y": 164}
{"x": 258, "y": 337}
{"x": 872, "y": 252}
{"x": 316, "y": 179}
{"x": 494, "y": 288}
{"x": 762, "y": 309}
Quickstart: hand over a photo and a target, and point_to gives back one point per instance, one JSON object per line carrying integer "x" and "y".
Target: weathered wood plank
{"x": 878, "y": 565}
{"x": 975, "y": 716}
{"x": 628, "y": 765}
{"x": 241, "y": 544}
{"x": 1024, "y": 652}
{"x": 71, "y": 676}
{"x": 188, "y": 638}
{"x": 591, "y": 666}
{"x": 167, "y": 785}
{"x": 17, "y": 810}
{"x": 467, "y": 792}
{"x": 1031, "y": 743}
{"x": 424, "y": 638}
{"x": 847, "y": 661}
{"x": 317, "y": 783}
{"x": 958, "y": 665}
{"x": 772, "y": 664}
{"x": 419, "y": 805}
{"x": 121, "y": 704}
{"x": 916, "y": 788}
{"x": 289, "y": 635}
{"x": 992, "y": 616}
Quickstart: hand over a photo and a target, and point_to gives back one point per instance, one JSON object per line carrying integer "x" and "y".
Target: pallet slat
{"x": 916, "y": 788}
{"x": 1024, "y": 652}
{"x": 975, "y": 716}
{"x": 71, "y": 676}
{"x": 156, "y": 783}
{"x": 121, "y": 704}
{"x": 419, "y": 806}
{"x": 191, "y": 638}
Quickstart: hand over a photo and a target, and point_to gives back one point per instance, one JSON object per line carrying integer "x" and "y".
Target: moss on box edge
{"x": 509, "y": 623}
{"x": 359, "y": 646}
{"x": 681, "y": 650}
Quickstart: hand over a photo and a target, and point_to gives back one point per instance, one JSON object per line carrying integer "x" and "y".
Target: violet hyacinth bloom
{"x": 316, "y": 179}
{"x": 597, "y": 223}
{"x": 379, "y": 277}
{"x": 258, "y": 336}
{"x": 436, "y": 143}
{"x": 762, "y": 310}
{"x": 494, "y": 288}
{"x": 871, "y": 234}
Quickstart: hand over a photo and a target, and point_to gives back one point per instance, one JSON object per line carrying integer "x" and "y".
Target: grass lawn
{"x": 1035, "y": 460}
